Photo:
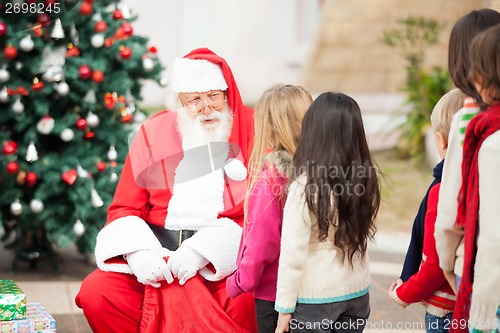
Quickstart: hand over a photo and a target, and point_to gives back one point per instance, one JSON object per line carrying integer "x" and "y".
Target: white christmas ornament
{"x": 95, "y": 199}
{"x": 18, "y": 106}
{"x": 58, "y": 31}
{"x": 90, "y": 97}
{"x": 163, "y": 81}
{"x": 45, "y": 125}
{"x": 16, "y": 208}
{"x": 113, "y": 176}
{"x": 4, "y": 75}
{"x": 62, "y": 88}
{"x": 97, "y": 40}
{"x": 4, "y": 95}
{"x": 36, "y": 206}
{"x": 31, "y": 153}
{"x": 92, "y": 119}
{"x": 139, "y": 117}
{"x": 26, "y": 43}
{"x": 112, "y": 153}
{"x": 148, "y": 64}
{"x": 126, "y": 13}
{"x": 82, "y": 172}
{"x": 78, "y": 228}
{"x": 67, "y": 135}
{"x": 18, "y": 65}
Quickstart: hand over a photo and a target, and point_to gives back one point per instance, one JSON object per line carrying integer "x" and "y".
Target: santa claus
{"x": 174, "y": 226}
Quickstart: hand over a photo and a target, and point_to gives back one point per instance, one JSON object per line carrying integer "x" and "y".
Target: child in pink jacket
{"x": 278, "y": 120}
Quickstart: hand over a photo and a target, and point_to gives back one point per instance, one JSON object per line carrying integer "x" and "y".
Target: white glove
{"x": 149, "y": 267}
{"x": 185, "y": 262}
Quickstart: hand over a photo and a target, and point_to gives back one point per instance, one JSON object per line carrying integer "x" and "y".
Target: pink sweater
{"x": 259, "y": 251}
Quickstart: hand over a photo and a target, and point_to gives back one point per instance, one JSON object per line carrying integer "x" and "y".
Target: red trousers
{"x": 113, "y": 302}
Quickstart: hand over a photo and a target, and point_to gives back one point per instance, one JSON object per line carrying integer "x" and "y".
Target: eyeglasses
{"x": 215, "y": 100}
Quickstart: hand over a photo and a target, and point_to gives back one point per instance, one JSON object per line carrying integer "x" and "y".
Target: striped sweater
{"x": 428, "y": 284}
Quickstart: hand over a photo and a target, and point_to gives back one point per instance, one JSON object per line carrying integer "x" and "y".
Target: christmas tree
{"x": 70, "y": 77}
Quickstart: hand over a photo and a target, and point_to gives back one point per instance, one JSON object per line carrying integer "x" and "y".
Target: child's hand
{"x": 283, "y": 322}
{"x": 394, "y": 296}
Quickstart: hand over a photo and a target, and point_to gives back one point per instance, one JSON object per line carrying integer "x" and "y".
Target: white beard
{"x": 194, "y": 133}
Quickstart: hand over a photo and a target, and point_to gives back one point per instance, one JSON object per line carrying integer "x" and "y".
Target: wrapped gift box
{"x": 38, "y": 320}
{"x": 12, "y": 301}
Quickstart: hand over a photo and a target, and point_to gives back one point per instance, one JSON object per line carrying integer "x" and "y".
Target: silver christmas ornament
{"x": 16, "y": 208}
{"x": 62, "y": 88}
{"x": 18, "y": 106}
{"x": 112, "y": 153}
{"x": 67, "y": 135}
{"x": 36, "y": 206}
{"x": 57, "y": 31}
{"x": 4, "y": 75}
{"x": 97, "y": 40}
{"x": 148, "y": 64}
{"x": 95, "y": 199}
{"x": 92, "y": 119}
{"x": 90, "y": 97}
{"x": 4, "y": 95}
{"x": 78, "y": 228}
{"x": 26, "y": 43}
{"x": 163, "y": 81}
{"x": 139, "y": 117}
{"x": 31, "y": 153}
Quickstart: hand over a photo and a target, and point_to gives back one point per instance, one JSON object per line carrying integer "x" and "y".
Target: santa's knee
{"x": 91, "y": 297}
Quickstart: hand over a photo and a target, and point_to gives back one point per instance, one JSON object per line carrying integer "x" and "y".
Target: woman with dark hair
{"x": 323, "y": 273}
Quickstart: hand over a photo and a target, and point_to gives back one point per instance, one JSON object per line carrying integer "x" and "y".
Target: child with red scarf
{"x": 478, "y": 298}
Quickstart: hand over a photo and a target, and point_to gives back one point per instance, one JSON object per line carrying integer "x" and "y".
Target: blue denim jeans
{"x": 341, "y": 317}
{"x": 435, "y": 324}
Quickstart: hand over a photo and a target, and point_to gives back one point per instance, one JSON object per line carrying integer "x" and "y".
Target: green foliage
{"x": 422, "y": 87}
{"x": 114, "y": 105}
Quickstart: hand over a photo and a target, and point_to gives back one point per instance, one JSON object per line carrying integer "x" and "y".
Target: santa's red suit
{"x": 111, "y": 297}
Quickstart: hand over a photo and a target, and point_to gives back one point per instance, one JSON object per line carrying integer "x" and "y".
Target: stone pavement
{"x": 56, "y": 292}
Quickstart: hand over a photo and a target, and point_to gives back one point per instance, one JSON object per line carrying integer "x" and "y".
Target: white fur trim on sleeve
{"x": 124, "y": 235}
{"x": 218, "y": 244}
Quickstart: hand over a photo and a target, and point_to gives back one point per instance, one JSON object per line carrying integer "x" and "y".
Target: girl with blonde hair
{"x": 278, "y": 118}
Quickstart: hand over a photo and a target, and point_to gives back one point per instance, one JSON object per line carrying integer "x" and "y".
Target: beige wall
{"x": 348, "y": 55}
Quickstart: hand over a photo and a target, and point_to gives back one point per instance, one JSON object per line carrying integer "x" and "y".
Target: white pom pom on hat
{"x": 196, "y": 75}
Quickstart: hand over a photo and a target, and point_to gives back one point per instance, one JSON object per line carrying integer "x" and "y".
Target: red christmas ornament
{"x": 117, "y": 15}
{"x": 86, "y": 8}
{"x": 10, "y": 52}
{"x": 127, "y": 29}
{"x": 126, "y": 53}
{"x": 100, "y": 26}
{"x": 3, "y": 29}
{"x": 113, "y": 164}
{"x": 101, "y": 166}
{"x": 85, "y": 72}
{"x": 126, "y": 118}
{"x": 31, "y": 178}
{"x": 97, "y": 76}
{"x": 153, "y": 49}
{"x": 43, "y": 19}
{"x": 37, "y": 85}
{"x": 12, "y": 167}
{"x": 72, "y": 51}
{"x": 70, "y": 176}
{"x": 81, "y": 124}
{"x": 9, "y": 148}
{"x": 89, "y": 135}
